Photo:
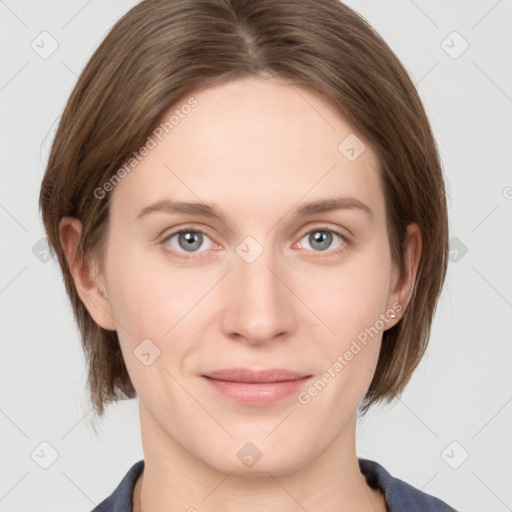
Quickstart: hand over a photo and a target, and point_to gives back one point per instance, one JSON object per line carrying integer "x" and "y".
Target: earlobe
{"x": 88, "y": 281}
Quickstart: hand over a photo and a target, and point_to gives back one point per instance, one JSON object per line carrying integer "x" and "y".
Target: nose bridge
{"x": 259, "y": 307}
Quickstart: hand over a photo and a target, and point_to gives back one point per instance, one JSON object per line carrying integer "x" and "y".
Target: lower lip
{"x": 262, "y": 393}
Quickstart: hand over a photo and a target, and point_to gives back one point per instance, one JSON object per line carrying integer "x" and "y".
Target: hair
{"x": 162, "y": 50}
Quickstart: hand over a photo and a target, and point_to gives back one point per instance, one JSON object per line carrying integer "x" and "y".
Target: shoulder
{"x": 399, "y": 494}
{"x": 121, "y": 499}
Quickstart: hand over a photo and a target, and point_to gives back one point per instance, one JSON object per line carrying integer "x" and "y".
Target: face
{"x": 265, "y": 285}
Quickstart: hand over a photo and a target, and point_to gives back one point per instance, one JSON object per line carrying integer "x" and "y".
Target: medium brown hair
{"x": 159, "y": 52}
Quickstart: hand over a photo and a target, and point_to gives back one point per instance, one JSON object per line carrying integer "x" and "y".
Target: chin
{"x": 248, "y": 458}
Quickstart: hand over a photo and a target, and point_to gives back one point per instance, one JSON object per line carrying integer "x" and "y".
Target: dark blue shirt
{"x": 400, "y": 496}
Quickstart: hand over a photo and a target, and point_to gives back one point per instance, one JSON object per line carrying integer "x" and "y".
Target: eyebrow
{"x": 205, "y": 210}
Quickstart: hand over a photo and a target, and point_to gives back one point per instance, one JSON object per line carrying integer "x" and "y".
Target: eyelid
{"x": 324, "y": 227}
{"x": 185, "y": 229}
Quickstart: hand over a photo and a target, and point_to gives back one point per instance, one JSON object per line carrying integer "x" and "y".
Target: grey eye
{"x": 188, "y": 240}
{"x": 320, "y": 239}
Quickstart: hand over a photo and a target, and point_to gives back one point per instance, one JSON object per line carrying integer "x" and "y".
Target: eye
{"x": 186, "y": 240}
{"x": 322, "y": 238}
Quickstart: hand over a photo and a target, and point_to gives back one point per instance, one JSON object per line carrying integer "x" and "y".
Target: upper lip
{"x": 248, "y": 375}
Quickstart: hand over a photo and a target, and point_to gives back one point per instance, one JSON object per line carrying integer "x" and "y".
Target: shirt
{"x": 400, "y": 496}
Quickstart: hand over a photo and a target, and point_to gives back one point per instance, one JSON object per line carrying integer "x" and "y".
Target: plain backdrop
{"x": 448, "y": 435}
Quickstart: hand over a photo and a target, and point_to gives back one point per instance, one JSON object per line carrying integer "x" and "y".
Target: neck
{"x": 174, "y": 480}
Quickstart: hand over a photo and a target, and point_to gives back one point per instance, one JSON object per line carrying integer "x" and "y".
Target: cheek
{"x": 350, "y": 355}
{"x": 148, "y": 303}
{"x": 145, "y": 297}
{"x": 355, "y": 295}
{"x": 352, "y": 306}
{"x": 152, "y": 300}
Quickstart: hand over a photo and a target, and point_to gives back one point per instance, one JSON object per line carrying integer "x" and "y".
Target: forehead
{"x": 253, "y": 143}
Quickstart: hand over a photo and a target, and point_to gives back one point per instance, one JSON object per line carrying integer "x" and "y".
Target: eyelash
{"x": 191, "y": 229}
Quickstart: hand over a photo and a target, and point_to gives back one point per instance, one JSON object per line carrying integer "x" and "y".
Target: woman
{"x": 249, "y": 211}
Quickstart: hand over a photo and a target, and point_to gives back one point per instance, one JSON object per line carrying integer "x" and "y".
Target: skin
{"x": 257, "y": 149}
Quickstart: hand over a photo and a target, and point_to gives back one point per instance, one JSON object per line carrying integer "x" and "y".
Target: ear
{"x": 88, "y": 281}
{"x": 402, "y": 284}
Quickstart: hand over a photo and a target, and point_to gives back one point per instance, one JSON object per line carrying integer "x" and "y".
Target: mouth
{"x": 255, "y": 387}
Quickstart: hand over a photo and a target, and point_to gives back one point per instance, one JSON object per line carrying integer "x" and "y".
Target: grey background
{"x": 450, "y": 432}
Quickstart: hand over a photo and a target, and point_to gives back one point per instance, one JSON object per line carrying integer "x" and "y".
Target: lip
{"x": 255, "y": 387}
{"x": 255, "y": 376}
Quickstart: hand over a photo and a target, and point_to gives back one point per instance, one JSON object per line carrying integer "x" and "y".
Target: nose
{"x": 260, "y": 305}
